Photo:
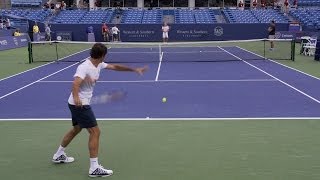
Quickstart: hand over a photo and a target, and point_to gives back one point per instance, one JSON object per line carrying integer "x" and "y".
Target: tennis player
{"x": 165, "y": 32}
{"x": 272, "y": 33}
{"x": 85, "y": 79}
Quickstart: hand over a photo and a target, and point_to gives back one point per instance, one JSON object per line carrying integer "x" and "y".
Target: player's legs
{"x": 272, "y": 44}
{"x": 95, "y": 169}
{"x": 107, "y": 37}
{"x": 165, "y": 36}
{"x": 114, "y": 37}
{"x": 70, "y": 135}
{"x": 94, "y": 135}
{"x": 271, "y": 41}
{"x": 83, "y": 117}
{"x": 60, "y": 156}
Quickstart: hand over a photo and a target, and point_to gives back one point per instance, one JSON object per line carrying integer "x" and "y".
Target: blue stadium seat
{"x": 266, "y": 15}
{"x": 309, "y": 17}
{"x": 184, "y": 16}
{"x": 26, "y": 3}
{"x": 132, "y": 16}
{"x": 240, "y": 16}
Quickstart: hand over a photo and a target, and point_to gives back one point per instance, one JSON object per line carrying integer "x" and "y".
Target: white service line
{"x": 175, "y": 80}
{"x": 169, "y": 119}
{"x": 301, "y": 92}
{"x": 133, "y": 52}
{"x": 281, "y": 64}
{"x": 42, "y": 65}
{"x": 38, "y": 80}
{"x": 158, "y": 71}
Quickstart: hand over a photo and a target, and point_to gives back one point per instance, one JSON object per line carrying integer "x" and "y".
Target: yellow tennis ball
{"x": 164, "y": 99}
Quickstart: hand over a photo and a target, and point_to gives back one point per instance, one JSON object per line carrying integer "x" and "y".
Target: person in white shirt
{"x": 1, "y": 24}
{"x": 8, "y": 23}
{"x": 165, "y": 32}
{"x": 85, "y": 79}
{"x": 115, "y": 33}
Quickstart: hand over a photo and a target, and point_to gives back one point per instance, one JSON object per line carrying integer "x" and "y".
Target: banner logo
{"x": 4, "y": 42}
{"x": 218, "y": 31}
{"x": 15, "y": 41}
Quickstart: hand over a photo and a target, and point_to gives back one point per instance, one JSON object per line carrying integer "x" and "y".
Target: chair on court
{"x": 309, "y": 46}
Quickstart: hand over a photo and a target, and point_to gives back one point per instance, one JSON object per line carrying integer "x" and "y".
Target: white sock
{"x": 60, "y": 150}
{"x": 94, "y": 163}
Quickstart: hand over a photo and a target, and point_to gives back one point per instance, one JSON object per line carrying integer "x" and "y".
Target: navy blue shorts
{"x": 82, "y": 116}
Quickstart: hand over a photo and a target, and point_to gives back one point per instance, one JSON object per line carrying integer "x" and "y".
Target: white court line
{"x": 189, "y": 52}
{"x": 39, "y": 80}
{"x": 281, "y": 64}
{"x": 42, "y": 65}
{"x": 169, "y": 52}
{"x": 168, "y": 119}
{"x": 301, "y": 92}
{"x": 175, "y": 80}
{"x": 127, "y": 52}
{"x": 158, "y": 71}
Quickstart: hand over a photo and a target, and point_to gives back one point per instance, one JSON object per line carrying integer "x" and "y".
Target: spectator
{"x": 151, "y": 4}
{"x": 263, "y": 4}
{"x": 1, "y": 24}
{"x": 115, "y": 33}
{"x": 8, "y": 23}
{"x": 74, "y": 6}
{"x": 295, "y": 4}
{"x": 52, "y": 8}
{"x": 254, "y": 4}
{"x": 62, "y": 5}
{"x": 36, "y": 32}
{"x": 241, "y": 5}
{"x": 46, "y": 5}
{"x": 17, "y": 32}
{"x": 118, "y": 7}
{"x": 97, "y": 4}
{"x": 286, "y": 7}
{"x": 105, "y": 32}
{"x": 48, "y": 33}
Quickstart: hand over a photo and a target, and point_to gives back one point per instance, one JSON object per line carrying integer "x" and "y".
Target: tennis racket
{"x": 109, "y": 97}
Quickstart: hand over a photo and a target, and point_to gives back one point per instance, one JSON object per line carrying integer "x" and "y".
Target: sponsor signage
{"x": 11, "y": 42}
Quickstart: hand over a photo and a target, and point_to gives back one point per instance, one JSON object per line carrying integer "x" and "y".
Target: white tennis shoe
{"x": 62, "y": 158}
{"x": 100, "y": 171}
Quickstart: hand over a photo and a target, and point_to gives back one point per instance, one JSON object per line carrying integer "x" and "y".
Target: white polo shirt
{"x": 165, "y": 28}
{"x": 114, "y": 30}
{"x": 90, "y": 74}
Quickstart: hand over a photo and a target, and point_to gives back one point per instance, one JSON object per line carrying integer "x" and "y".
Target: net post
{"x": 264, "y": 48}
{"x": 57, "y": 51}
{"x": 30, "y": 52}
{"x": 293, "y": 49}
{"x": 159, "y": 50}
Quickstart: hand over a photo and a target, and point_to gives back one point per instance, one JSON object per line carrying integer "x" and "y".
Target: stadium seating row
{"x": 309, "y": 17}
{"x": 254, "y": 16}
{"x": 26, "y": 3}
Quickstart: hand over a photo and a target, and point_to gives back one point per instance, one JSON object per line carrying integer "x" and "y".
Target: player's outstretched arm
{"x": 118, "y": 67}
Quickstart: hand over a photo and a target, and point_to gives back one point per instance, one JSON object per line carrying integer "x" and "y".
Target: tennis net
{"x": 257, "y": 49}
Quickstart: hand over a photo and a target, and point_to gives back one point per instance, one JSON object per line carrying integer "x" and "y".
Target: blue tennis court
{"x": 194, "y": 90}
